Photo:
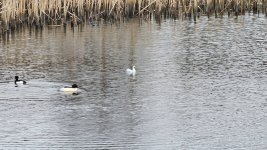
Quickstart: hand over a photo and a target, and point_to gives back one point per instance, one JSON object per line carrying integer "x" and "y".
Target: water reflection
{"x": 196, "y": 84}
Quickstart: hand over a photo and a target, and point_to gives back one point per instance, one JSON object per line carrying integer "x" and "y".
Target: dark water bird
{"x": 17, "y": 81}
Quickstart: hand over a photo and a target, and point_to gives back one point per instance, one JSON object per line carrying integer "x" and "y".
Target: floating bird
{"x": 73, "y": 88}
{"x": 17, "y": 81}
{"x": 131, "y": 71}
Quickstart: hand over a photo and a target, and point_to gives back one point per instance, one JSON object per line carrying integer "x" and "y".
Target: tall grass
{"x": 39, "y": 12}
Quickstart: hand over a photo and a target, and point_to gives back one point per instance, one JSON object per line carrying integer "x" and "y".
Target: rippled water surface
{"x": 198, "y": 86}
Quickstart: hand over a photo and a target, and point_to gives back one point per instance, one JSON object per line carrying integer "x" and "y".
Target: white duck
{"x": 131, "y": 71}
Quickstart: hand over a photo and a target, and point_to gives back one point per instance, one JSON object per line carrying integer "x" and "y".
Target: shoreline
{"x": 32, "y": 13}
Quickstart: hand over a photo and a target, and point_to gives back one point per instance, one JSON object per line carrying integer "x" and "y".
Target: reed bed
{"x": 60, "y": 12}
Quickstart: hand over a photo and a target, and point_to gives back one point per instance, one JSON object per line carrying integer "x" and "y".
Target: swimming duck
{"x": 73, "y": 88}
{"x": 131, "y": 71}
{"x": 17, "y": 81}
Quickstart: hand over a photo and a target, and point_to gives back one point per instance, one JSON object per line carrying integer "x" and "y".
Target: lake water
{"x": 198, "y": 86}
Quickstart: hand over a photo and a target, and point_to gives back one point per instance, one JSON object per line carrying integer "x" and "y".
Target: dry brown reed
{"x": 59, "y": 12}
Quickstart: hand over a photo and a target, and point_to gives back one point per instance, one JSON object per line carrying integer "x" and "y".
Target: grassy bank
{"x": 59, "y": 12}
